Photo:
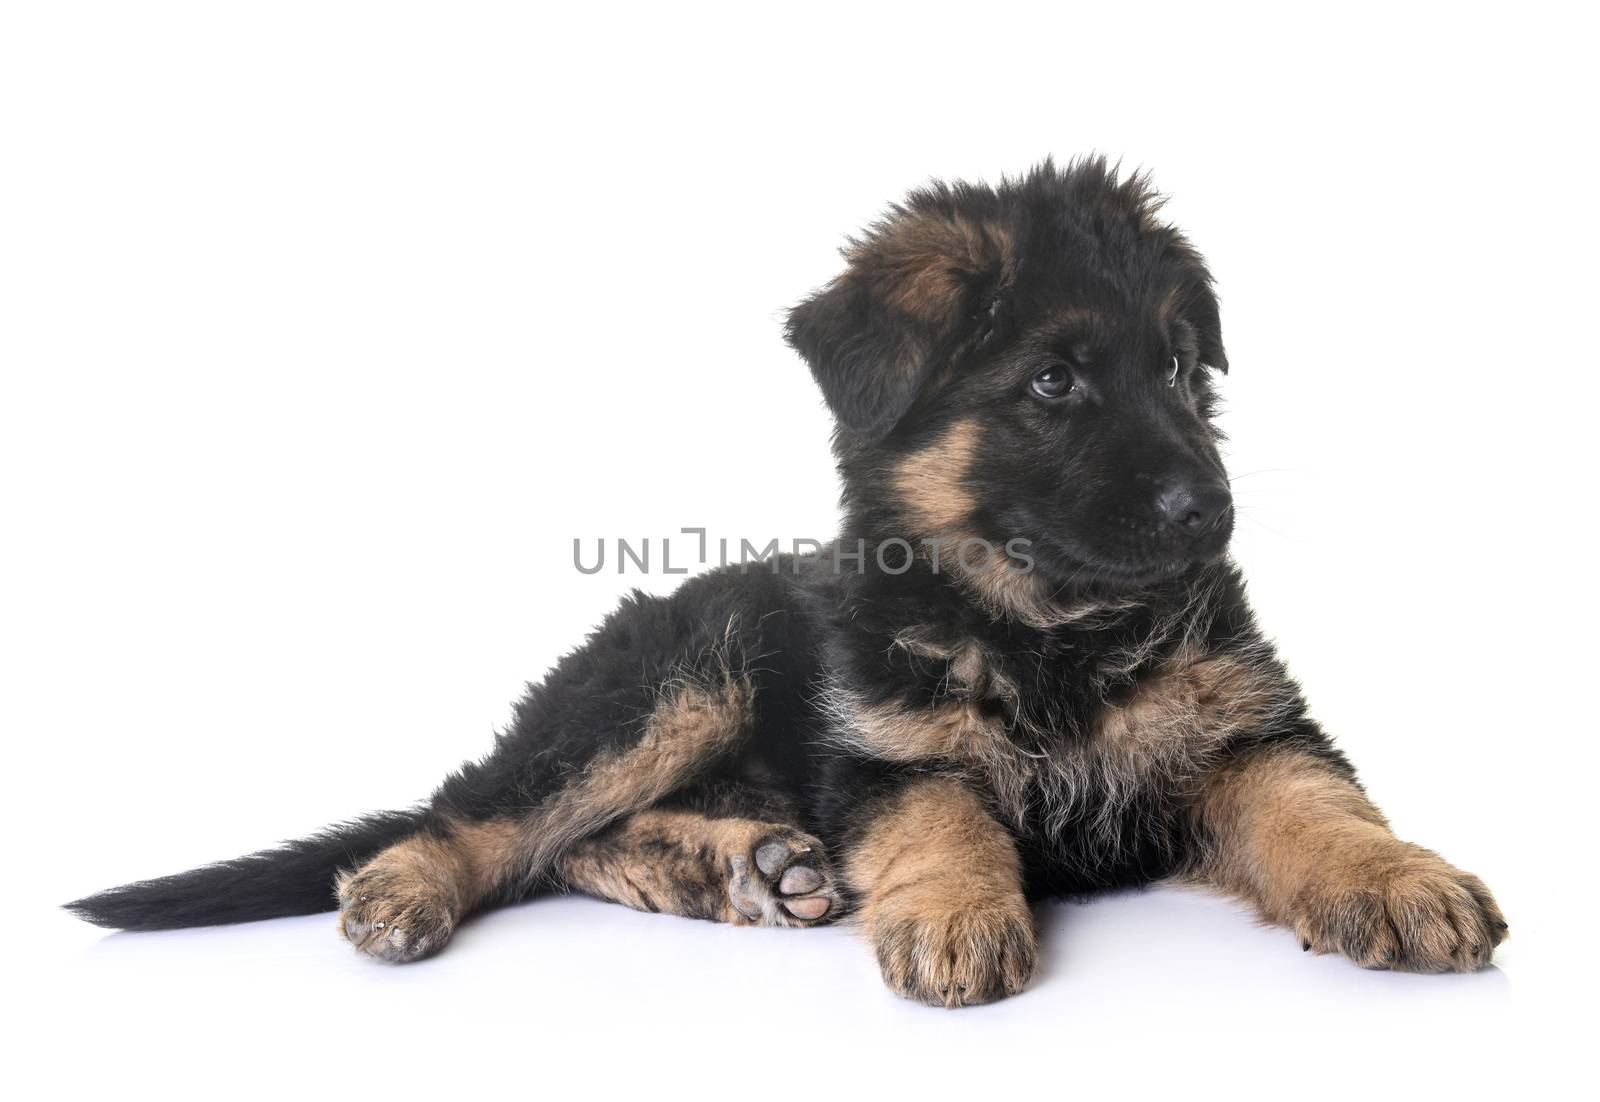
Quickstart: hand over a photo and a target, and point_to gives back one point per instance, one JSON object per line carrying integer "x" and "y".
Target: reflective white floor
{"x": 1146, "y": 993}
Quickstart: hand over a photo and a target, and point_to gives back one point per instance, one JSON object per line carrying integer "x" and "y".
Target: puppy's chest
{"x": 1059, "y": 738}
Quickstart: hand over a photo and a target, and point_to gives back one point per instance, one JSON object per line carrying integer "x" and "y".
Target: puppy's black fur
{"x": 1025, "y": 668}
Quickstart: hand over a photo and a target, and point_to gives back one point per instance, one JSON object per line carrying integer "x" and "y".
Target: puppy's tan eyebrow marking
{"x": 1075, "y": 318}
{"x": 1072, "y": 333}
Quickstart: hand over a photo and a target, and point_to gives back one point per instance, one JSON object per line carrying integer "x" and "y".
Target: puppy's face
{"x": 1031, "y": 362}
{"x": 1092, "y": 441}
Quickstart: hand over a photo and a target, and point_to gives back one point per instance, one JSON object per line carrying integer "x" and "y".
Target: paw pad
{"x": 783, "y": 881}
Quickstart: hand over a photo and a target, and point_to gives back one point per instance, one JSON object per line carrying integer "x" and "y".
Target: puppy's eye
{"x": 1052, "y": 383}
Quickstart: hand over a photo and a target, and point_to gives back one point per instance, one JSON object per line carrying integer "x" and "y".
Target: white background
{"x": 325, "y": 328}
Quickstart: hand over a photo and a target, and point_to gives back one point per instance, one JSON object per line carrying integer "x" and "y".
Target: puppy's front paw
{"x": 1404, "y": 908}
{"x": 956, "y": 956}
{"x": 393, "y": 910}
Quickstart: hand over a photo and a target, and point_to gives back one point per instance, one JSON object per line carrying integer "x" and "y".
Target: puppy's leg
{"x": 405, "y": 903}
{"x": 491, "y": 846}
{"x": 941, "y": 896}
{"x": 1299, "y": 840}
{"x": 742, "y": 871}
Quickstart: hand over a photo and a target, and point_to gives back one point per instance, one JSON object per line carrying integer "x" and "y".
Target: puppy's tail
{"x": 296, "y": 878}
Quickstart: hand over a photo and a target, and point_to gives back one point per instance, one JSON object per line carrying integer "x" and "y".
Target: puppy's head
{"x": 1029, "y": 362}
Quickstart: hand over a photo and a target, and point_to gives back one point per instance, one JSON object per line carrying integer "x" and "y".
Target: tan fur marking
{"x": 1182, "y": 711}
{"x": 922, "y": 257}
{"x": 405, "y": 902}
{"x": 1077, "y": 317}
{"x": 955, "y": 731}
{"x": 1014, "y": 594}
{"x": 672, "y": 861}
{"x": 484, "y": 851}
{"x": 1157, "y": 741}
{"x": 970, "y": 672}
{"x": 693, "y": 726}
{"x": 1024, "y": 596}
{"x": 935, "y": 486}
{"x": 457, "y": 872}
{"x": 1311, "y": 852}
{"x": 969, "y": 668}
{"x": 1267, "y": 809}
{"x": 933, "y": 481}
{"x": 423, "y": 868}
{"x": 942, "y": 900}
{"x": 686, "y": 863}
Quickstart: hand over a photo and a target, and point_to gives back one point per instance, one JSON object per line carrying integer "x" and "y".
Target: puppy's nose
{"x": 1194, "y": 506}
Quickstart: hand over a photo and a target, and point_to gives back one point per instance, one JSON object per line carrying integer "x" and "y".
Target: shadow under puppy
{"x": 1025, "y": 669}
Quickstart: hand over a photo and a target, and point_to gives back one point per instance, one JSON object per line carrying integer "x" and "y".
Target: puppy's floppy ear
{"x": 1196, "y": 301}
{"x": 1203, "y": 314}
{"x": 917, "y": 285}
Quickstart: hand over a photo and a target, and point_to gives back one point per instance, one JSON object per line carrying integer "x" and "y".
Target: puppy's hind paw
{"x": 392, "y": 915}
{"x": 783, "y": 881}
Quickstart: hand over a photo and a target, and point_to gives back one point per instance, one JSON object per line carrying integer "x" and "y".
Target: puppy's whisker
{"x": 1259, "y": 523}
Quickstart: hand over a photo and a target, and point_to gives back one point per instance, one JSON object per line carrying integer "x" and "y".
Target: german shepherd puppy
{"x": 1025, "y": 668}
